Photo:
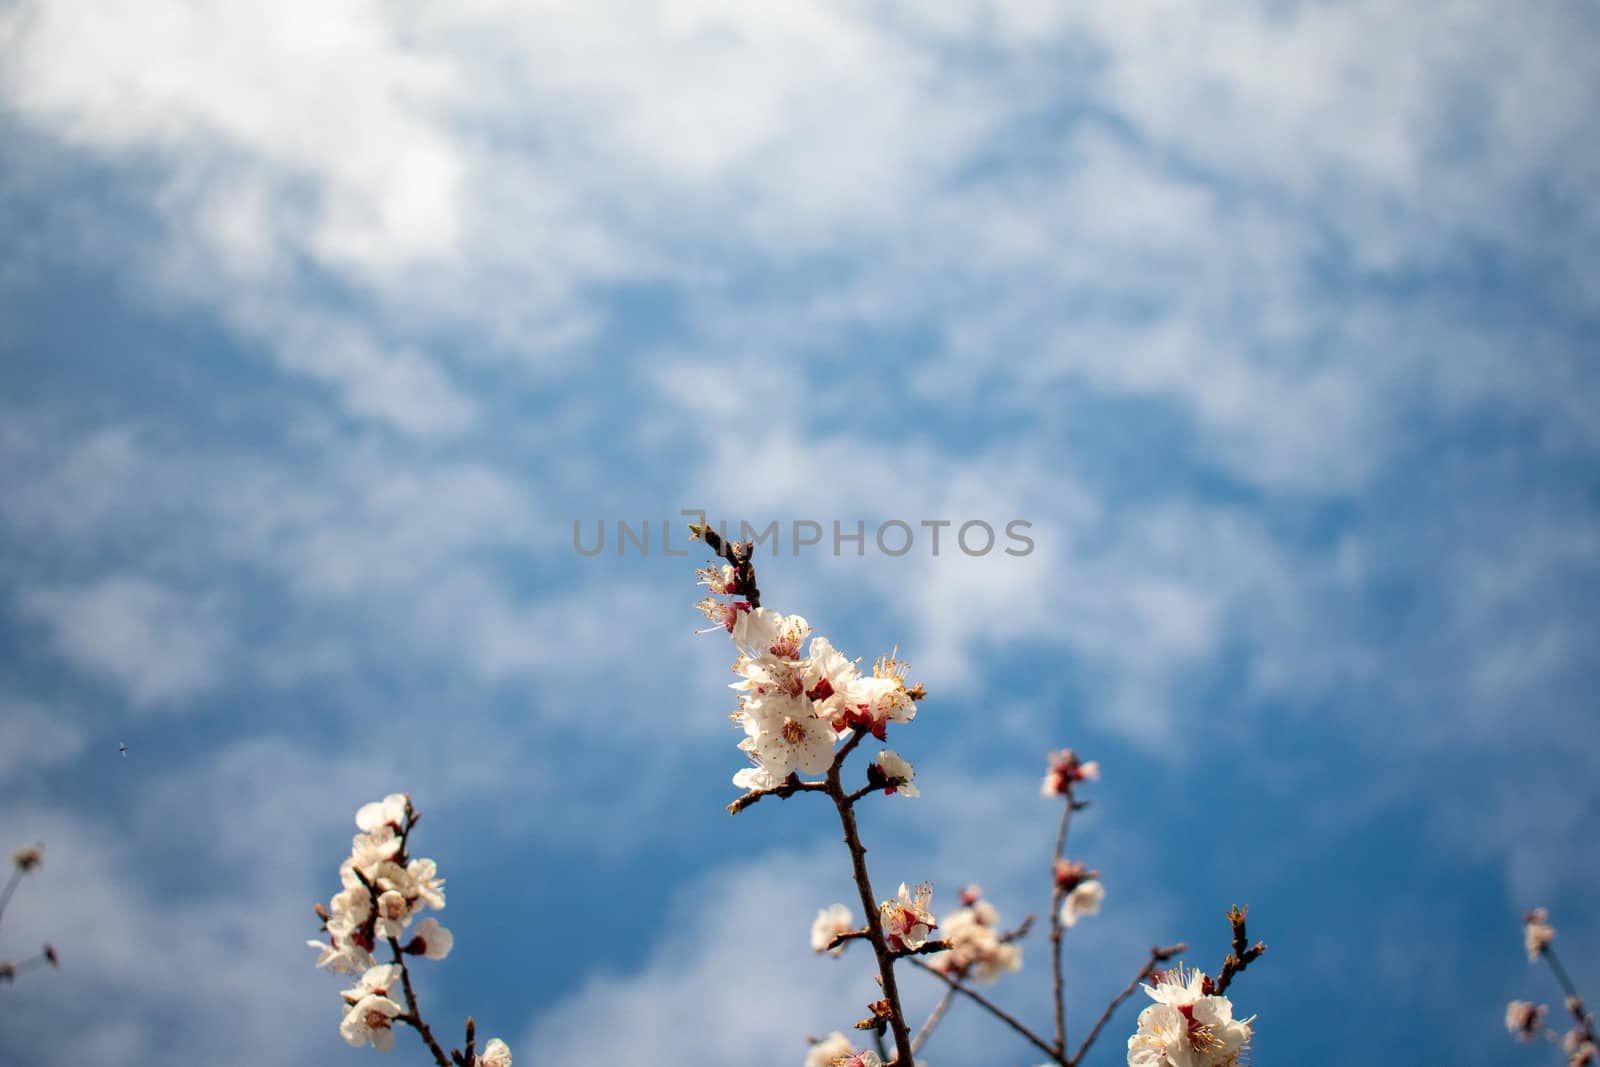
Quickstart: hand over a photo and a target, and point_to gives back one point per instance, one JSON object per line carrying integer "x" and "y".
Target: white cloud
{"x": 160, "y": 646}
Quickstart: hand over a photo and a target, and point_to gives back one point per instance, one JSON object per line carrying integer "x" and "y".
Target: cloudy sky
{"x": 321, "y": 323}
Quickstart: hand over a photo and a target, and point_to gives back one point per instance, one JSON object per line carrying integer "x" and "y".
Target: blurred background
{"x": 320, "y": 324}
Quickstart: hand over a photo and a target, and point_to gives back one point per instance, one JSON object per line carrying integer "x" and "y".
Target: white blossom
{"x": 1524, "y": 1019}
{"x": 495, "y": 1054}
{"x": 1066, "y": 770}
{"x": 393, "y": 914}
{"x": 753, "y": 778}
{"x": 369, "y": 1020}
{"x": 1537, "y": 933}
{"x": 426, "y": 888}
{"x": 1084, "y": 900}
{"x": 830, "y": 1050}
{"x": 390, "y": 811}
{"x": 975, "y": 945}
{"x": 431, "y": 940}
{"x": 830, "y": 922}
{"x": 341, "y": 955}
{"x": 907, "y": 922}
{"x": 898, "y": 773}
{"x": 784, "y": 739}
{"x": 375, "y": 981}
{"x": 1186, "y": 1028}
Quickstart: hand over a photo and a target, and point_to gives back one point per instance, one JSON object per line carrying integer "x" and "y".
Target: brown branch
{"x": 846, "y": 938}
{"x": 999, "y": 1013}
{"x": 1241, "y": 956}
{"x": 1019, "y": 932}
{"x": 1158, "y": 956}
{"x": 413, "y": 1016}
{"x": 737, "y": 553}
{"x": 782, "y": 792}
{"x": 11, "y": 887}
{"x": 858, "y": 863}
{"x": 1575, "y": 1006}
{"x": 1056, "y": 894}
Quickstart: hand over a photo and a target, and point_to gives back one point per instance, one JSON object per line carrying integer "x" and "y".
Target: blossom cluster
{"x": 797, "y": 700}
{"x": 384, "y": 890}
{"x": 1186, "y": 1026}
{"x": 1525, "y": 1020}
{"x": 978, "y": 948}
{"x": 24, "y": 861}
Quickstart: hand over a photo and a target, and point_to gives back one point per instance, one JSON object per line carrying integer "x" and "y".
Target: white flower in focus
{"x": 1084, "y": 900}
{"x": 873, "y": 703}
{"x": 723, "y": 613}
{"x": 426, "y": 887}
{"x": 1186, "y": 1028}
{"x": 762, "y": 630}
{"x": 830, "y": 1050}
{"x": 370, "y": 1019}
{"x": 907, "y": 922}
{"x": 828, "y": 674}
{"x": 752, "y": 779}
{"x": 495, "y": 1053}
{"x": 431, "y": 940}
{"x": 830, "y": 922}
{"x": 392, "y": 916}
{"x": 721, "y": 581}
{"x": 1524, "y": 1019}
{"x": 898, "y": 773}
{"x": 785, "y": 739}
{"x": 390, "y": 811}
{"x": 1537, "y": 933}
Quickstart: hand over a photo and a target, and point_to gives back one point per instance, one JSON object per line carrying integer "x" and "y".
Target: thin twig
{"x": 858, "y": 862}
{"x": 11, "y": 887}
{"x": 1241, "y": 956}
{"x": 989, "y": 1006}
{"x": 1158, "y": 956}
{"x": 1580, "y": 1015}
{"x": 934, "y": 1018}
{"x": 782, "y": 792}
{"x": 736, "y": 553}
{"x": 413, "y": 1016}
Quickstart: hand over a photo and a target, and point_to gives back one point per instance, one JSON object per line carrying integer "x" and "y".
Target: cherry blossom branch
{"x": 1158, "y": 956}
{"x": 1006, "y": 937}
{"x": 1575, "y": 1007}
{"x": 1241, "y": 956}
{"x": 958, "y": 986}
{"x": 1056, "y": 894}
{"x": 413, "y": 1016}
{"x": 737, "y": 553}
{"x": 858, "y": 864}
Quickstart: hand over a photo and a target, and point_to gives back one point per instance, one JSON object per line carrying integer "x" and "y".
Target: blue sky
{"x": 320, "y": 324}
